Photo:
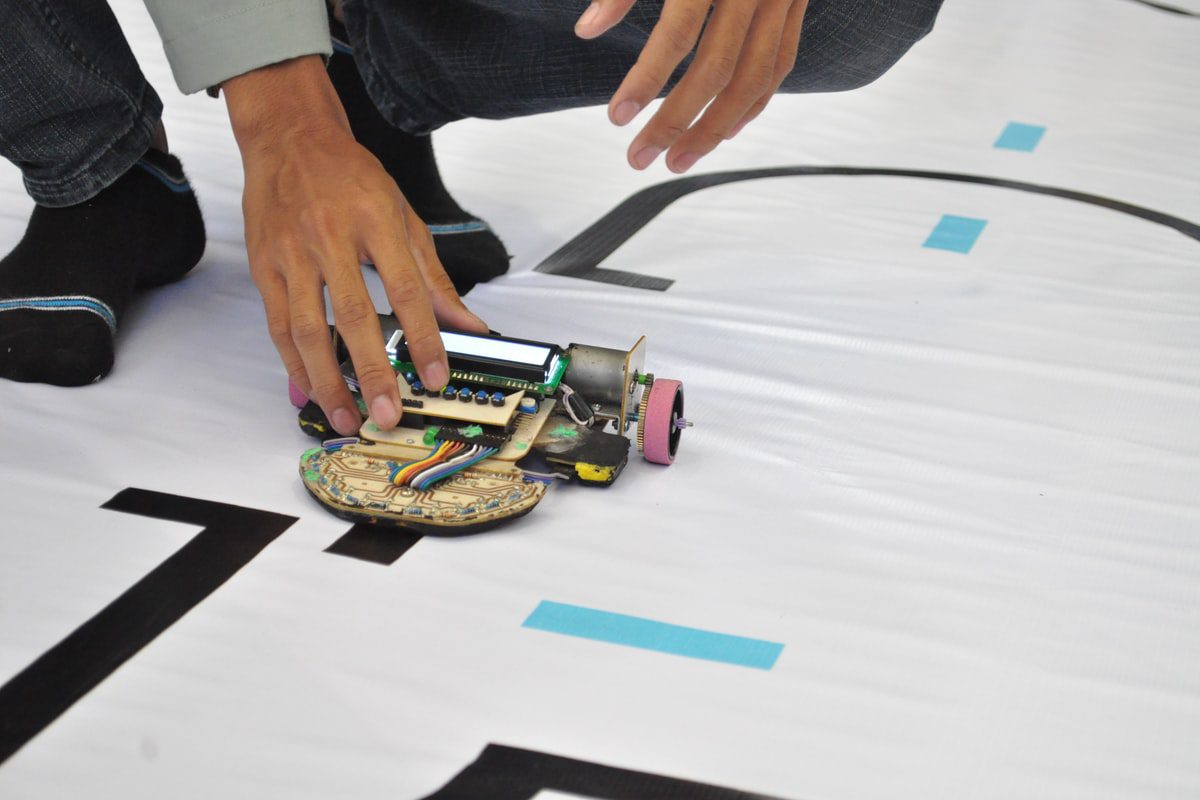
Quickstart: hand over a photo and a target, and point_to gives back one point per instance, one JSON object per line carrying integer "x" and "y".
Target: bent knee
{"x": 846, "y": 44}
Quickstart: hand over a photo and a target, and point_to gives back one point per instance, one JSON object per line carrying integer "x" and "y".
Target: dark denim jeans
{"x": 429, "y": 62}
{"x": 76, "y": 111}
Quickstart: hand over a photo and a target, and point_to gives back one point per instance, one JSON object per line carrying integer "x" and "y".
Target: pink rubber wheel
{"x": 298, "y": 398}
{"x": 660, "y": 434}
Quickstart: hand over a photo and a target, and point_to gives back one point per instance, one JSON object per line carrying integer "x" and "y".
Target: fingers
{"x": 358, "y": 324}
{"x": 785, "y": 62}
{"x": 310, "y": 335}
{"x": 669, "y": 43}
{"x": 600, "y": 16}
{"x": 275, "y": 302}
{"x": 752, "y": 82}
{"x": 411, "y": 299}
{"x": 448, "y": 307}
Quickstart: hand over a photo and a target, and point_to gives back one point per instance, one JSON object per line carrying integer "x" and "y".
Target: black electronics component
{"x": 485, "y": 435}
{"x": 579, "y": 409}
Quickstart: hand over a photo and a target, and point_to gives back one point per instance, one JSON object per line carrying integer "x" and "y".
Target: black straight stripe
{"x": 1183, "y": 12}
{"x": 379, "y": 544}
{"x": 231, "y": 538}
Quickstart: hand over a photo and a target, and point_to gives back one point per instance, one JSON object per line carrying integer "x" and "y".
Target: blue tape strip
{"x": 1019, "y": 136}
{"x": 177, "y": 185}
{"x": 956, "y": 234}
{"x": 63, "y": 303}
{"x": 648, "y": 634}
{"x": 459, "y": 227}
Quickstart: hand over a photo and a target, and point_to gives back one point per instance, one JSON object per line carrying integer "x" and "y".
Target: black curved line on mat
{"x": 1183, "y": 12}
{"x": 511, "y": 773}
{"x": 581, "y": 257}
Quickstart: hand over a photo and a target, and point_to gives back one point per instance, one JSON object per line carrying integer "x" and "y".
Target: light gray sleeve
{"x": 209, "y": 41}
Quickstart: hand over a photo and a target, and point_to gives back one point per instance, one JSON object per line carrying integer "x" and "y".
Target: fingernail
{"x": 435, "y": 374}
{"x": 625, "y": 111}
{"x": 383, "y": 412}
{"x": 644, "y": 157}
{"x": 685, "y": 162}
{"x": 588, "y": 17}
{"x": 345, "y": 421}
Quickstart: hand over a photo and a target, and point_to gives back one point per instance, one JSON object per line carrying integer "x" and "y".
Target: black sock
{"x": 466, "y": 246}
{"x": 66, "y": 284}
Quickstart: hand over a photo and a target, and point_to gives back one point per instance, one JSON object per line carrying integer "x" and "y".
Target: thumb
{"x": 600, "y": 16}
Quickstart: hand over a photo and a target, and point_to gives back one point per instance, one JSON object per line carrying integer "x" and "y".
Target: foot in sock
{"x": 467, "y": 247}
{"x": 65, "y": 286}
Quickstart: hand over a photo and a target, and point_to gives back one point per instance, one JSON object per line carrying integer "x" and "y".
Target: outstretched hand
{"x": 746, "y": 50}
{"x": 316, "y": 206}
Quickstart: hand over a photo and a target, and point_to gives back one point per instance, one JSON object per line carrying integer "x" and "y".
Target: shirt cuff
{"x": 267, "y": 32}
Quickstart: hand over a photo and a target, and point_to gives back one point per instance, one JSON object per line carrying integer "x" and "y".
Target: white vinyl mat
{"x": 961, "y": 490}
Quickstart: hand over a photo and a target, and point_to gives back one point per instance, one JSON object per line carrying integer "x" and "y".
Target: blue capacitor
{"x": 450, "y": 392}
{"x": 481, "y": 397}
{"x": 464, "y": 394}
{"x": 418, "y": 388}
{"x": 497, "y": 399}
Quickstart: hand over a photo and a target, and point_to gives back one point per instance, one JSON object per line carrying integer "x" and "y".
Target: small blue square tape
{"x": 1019, "y": 136}
{"x": 956, "y": 234}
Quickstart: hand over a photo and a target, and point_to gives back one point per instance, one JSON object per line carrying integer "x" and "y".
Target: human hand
{"x": 748, "y": 47}
{"x": 316, "y": 206}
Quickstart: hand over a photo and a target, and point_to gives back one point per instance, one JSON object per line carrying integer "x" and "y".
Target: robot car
{"x": 482, "y": 450}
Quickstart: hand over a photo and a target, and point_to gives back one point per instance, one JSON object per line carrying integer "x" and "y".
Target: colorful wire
{"x": 403, "y": 473}
{"x": 430, "y": 477}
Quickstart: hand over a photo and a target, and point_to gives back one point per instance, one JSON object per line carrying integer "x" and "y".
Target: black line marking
{"x": 379, "y": 544}
{"x": 581, "y": 257}
{"x": 231, "y": 538}
{"x": 1183, "y": 12}
{"x": 510, "y": 773}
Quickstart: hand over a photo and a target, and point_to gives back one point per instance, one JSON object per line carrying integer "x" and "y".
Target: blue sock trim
{"x": 177, "y": 185}
{"x": 66, "y": 302}
{"x": 459, "y": 227}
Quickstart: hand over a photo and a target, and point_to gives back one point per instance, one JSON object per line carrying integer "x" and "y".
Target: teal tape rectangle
{"x": 1019, "y": 136}
{"x": 956, "y": 234}
{"x": 648, "y": 634}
